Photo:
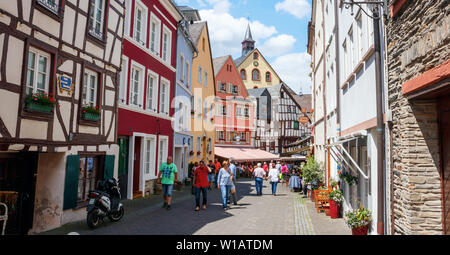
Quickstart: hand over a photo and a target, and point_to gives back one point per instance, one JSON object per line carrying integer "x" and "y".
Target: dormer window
{"x": 255, "y": 56}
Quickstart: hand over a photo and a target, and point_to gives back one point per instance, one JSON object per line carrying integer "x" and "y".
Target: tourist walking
{"x": 233, "y": 188}
{"x": 224, "y": 183}
{"x": 201, "y": 184}
{"x": 285, "y": 172}
{"x": 216, "y": 171}
{"x": 167, "y": 176}
{"x": 211, "y": 174}
{"x": 273, "y": 178}
{"x": 259, "y": 174}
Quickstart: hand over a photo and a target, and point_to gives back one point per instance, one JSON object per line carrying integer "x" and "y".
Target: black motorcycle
{"x": 104, "y": 202}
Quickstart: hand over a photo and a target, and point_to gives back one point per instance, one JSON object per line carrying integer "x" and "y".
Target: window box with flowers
{"x": 40, "y": 102}
{"x": 90, "y": 113}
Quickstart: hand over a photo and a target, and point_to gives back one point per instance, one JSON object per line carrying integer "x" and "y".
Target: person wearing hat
{"x": 259, "y": 174}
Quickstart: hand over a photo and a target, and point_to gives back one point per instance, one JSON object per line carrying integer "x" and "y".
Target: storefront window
{"x": 88, "y": 177}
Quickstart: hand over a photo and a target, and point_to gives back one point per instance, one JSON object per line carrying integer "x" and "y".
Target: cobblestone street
{"x": 288, "y": 213}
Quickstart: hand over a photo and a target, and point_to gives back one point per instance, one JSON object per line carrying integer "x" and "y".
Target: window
{"x": 140, "y": 23}
{"x": 187, "y": 72}
{"x": 38, "y": 72}
{"x": 255, "y": 55}
{"x": 238, "y": 111}
{"x": 199, "y": 107}
{"x": 182, "y": 74}
{"x": 206, "y": 79}
{"x": 344, "y": 46}
{"x": 152, "y": 91}
{"x": 203, "y": 44}
{"x": 296, "y": 125}
{"x": 123, "y": 81}
{"x": 255, "y": 75}
{"x": 200, "y": 74}
{"x": 88, "y": 176}
{"x": 167, "y": 44}
{"x": 180, "y": 117}
{"x": 163, "y": 150}
{"x": 164, "y": 96}
{"x": 351, "y": 49}
{"x": 246, "y": 112}
{"x": 198, "y": 144}
{"x": 235, "y": 89}
{"x": 222, "y": 87}
{"x": 224, "y": 110}
{"x": 360, "y": 36}
{"x": 149, "y": 157}
{"x": 136, "y": 85}
{"x": 96, "y": 18}
{"x": 221, "y": 135}
{"x": 52, "y": 5}
{"x": 268, "y": 77}
{"x": 243, "y": 75}
{"x": 155, "y": 31}
{"x": 90, "y": 82}
{"x": 205, "y": 110}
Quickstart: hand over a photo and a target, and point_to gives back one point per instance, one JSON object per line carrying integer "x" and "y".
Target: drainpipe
{"x": 380, "y": 124}
{"x": 324, "y": 100}
{"x": 338, "y": 78}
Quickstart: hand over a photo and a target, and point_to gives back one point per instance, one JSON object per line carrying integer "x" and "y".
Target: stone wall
{"x": 417, "y": 205}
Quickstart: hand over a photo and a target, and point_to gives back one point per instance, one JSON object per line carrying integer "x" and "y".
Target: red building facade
{"x": 146, "y": 90}
{"x": 235, "y": 113}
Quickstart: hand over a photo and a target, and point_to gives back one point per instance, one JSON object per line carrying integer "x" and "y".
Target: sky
{"x": 279, "y": 27}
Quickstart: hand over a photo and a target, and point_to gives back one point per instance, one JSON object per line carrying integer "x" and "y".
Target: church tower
{"x": 248, "y": 44}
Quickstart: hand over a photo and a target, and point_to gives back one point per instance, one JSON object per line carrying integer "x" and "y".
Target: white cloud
{"x": 276, "y": 46}
{"x": 227, "y": 32}
{"x": 298, "y": 8}
{"x": 294, "y": 70}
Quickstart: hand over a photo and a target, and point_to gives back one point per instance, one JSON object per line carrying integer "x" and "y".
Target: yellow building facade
{"x": 256, "y": 72}
{"x": 203, "y": 88}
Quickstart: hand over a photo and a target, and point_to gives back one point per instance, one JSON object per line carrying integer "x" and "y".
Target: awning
{"x": 244, "y": 154}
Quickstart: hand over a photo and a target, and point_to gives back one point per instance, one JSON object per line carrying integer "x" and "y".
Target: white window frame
{"x": 351, "y": 39}
{"x": 123, "y": 81}
{"x": 155, "y": 90}
{"x": 141, "y": 84}
{"x": 99, "y": 34}
{"x": 181, "y": 116}
{"x": 186, "y": 82}
{"x": 164, "y": 108}
{"x": 360, "y": 34}
{"x": 53, "y": 8}
{"x": 127, "y": 17}
{"x": 86, "y": 100}
{"x": 37, "y": 54}
{"x": 345, "y": 58}
{"x": 199, "y": 145}
{"x": 149, "y": 163}
{"x": 162, "y": 154}
{"x": 157, "y": 36}
{"x": 182, "y": 71}
{"x": 143, "y": 31}
{"x": 168, "y": 56}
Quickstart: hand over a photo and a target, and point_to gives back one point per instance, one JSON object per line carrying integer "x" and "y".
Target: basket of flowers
{"x": 359, "y": 220}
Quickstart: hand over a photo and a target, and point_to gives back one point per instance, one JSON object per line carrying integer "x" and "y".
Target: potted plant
{"x": 191, "y": 153}
{"x": 90, "y": 113}
{"x": 336, "y": 199}
{"x": 350, "y": 179}
{"x": 40, "y": 102}
{"x": 359, "y": 220}
{"x": 313, "y": 174}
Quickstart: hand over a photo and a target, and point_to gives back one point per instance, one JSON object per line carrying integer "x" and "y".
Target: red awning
{"x": 244, "y": 154}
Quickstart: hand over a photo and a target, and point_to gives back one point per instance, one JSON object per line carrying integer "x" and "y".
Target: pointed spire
{"x": 248, "y": 34}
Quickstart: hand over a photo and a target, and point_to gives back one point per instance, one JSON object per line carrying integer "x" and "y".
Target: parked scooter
{"x": 104, "y": 202}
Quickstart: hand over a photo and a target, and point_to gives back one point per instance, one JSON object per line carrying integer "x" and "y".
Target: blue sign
{"x": 65, "y": 83}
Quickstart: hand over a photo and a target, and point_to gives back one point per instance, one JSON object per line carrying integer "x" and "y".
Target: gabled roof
{"x": 218, "y": 63}
{"x": 241, "y": 59}
{"x": 256, "y": 92}
{"x": 303, "y": 100}
{"x": 189, "y": 13}
{"x": 195, "y": 30}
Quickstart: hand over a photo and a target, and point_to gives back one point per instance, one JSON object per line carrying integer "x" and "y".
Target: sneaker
{"x": 168, "y": 207}
{"x": 197, "y": 209}
{"x": 204, "y": 207}
{"x": 164, "y": 205}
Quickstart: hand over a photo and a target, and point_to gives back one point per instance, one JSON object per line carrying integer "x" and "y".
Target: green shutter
{"x": 109, "y": 167}
{"x": 71, "y": 182}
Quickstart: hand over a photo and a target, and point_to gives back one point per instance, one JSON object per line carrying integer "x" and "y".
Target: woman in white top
{"x": 273, "y": 178}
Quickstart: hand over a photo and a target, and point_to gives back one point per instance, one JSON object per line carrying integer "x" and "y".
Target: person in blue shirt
{"x": 233, "y": 188}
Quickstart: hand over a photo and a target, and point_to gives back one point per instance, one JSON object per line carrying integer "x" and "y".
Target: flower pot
{"x": 39, "y": 107}
{"x": 334, "y": 209}
{"x": 360, "y": 231}
{"x": 90, "y": 116}
{"x": 327, "y": 212}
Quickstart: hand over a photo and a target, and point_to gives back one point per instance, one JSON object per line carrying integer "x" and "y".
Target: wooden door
{"x": 123, "y": 166}
{"x": 444, "y": 116}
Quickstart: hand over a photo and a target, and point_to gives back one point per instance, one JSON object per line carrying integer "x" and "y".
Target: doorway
{"x": 137, "y": 168}
{"x": 17, "y": 189}
{"x": 123, "y": 166}
{"x": 179, "y": 162}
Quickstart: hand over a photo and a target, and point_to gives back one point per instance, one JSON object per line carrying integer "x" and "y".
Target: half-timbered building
{"x": 59, "y": 69}
{"x": 147, "y": 89}
{"x": 282, "y": 126}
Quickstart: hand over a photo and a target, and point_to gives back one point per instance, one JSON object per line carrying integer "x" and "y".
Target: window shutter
{"x": 71, "y": 182}
{"x": 109, "y": 167}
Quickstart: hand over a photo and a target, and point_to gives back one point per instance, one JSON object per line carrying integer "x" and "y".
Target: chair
{"x": 4, "y": 217}
{"x": 322, "y": 199}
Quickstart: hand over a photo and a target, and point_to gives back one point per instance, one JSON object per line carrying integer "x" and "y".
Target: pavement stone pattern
{"x": 288, "y": 213}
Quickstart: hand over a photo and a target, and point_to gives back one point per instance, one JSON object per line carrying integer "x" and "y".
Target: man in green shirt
{"x": 169, "y": 174}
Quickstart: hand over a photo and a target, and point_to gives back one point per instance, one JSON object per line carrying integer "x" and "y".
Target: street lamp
{"x": 380, "y": 125}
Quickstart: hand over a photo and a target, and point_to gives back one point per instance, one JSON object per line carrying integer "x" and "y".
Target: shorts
{"x": 210, "y": 177}
{"x": 167, "y": 189}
